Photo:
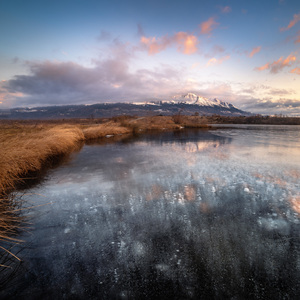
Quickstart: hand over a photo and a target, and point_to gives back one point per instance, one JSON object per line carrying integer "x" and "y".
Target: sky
{"x": 91, "y": 51}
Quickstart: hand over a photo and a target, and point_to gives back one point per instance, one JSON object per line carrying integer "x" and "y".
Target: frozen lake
{"x": 185, "y": 215}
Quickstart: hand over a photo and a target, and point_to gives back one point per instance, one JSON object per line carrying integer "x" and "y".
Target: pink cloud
{"x": 155, "y": 45}
{"x": 217, "y": 61}
{"x": 278, "y": 65}
{"x": 264, "y": 67}
{"x": 292, "y": 23}
{"x": 7, "y": 96}
{"x": 207, "y": 26}
{"x": 296, "y": 71}
{"x": 254, "y": 51}
{"x": 186, "y": 43}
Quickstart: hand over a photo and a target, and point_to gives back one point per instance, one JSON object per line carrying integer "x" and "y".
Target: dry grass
{"x": 102, "y": 130}
{"x": 10, "y": 219}
{"x": 164, "y": 123}
{"x": 29, "y": 149}
{"x": 194, "y": 122}
{"x": 153, "y": 123}
{"x": 10, "y": 224}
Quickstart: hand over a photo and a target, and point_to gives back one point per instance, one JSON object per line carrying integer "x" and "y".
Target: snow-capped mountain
{"x": 188, "y": 104}
{"x": 191, "y": 98}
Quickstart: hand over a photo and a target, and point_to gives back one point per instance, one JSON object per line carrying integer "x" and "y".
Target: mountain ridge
{"x": 188, "y": 104}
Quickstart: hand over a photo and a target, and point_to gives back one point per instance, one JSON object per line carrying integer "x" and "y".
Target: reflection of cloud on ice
{"x": 271, "y": 224}
{"x": 295, "y": 203}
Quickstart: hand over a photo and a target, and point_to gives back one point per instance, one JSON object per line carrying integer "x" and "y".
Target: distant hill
{"x": 188, "y": 104}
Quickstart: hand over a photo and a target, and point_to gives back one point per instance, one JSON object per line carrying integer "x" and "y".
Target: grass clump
{"x": 32, "y": 148}
{"x": 102, "y": 130}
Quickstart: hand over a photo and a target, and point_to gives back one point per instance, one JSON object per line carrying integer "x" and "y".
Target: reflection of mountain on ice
{"x": 193, "y": 140}
{"x": 201, "y": 146}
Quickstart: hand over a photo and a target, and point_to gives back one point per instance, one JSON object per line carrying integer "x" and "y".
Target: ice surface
{"x": 181, "y": 215}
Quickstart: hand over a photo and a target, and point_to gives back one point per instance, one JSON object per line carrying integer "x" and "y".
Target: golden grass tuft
{"x": 31, "y": 148}
{"x": 194, "y": 122}
{"x": 102, "y": 130}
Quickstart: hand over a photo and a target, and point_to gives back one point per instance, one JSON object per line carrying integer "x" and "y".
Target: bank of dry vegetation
{"x": 255, "y": 119}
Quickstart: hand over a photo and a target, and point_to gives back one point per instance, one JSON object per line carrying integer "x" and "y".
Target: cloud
{"x": 271, "y": 107}
{"x": 266, "y": 99}
{"x": 296, "y": 71}
{"x": 225, "y": 9}
{"x": 109, "y": 79}
{"x": 264, "y": 67}
{"x": 104, "y": 36}
{"x": 15, "y": 60}
{"x": 255, "y": 51}
{"x": 217, "y": 61}
{"x": 140, "y": 30}
{"x": 207, "y": 26}
{"x": 155, "y": 45}
{"x": 261, "y": 89}
{"x": 292, "y": 23}
{"x": 280, "y": 92}
{"x": 218, "y": 49}
{"x": 186, "y": 43}
{"x": 278, "y": 65}
{"x": 297, "y": 38}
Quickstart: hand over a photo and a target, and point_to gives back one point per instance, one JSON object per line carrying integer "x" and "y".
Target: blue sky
{"x": 88, "y": 51}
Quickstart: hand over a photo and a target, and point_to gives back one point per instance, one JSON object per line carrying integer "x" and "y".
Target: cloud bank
{"x": 57, "y": 83}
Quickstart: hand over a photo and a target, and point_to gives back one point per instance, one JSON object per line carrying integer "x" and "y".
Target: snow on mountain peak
{"x": 191, "y": 98}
